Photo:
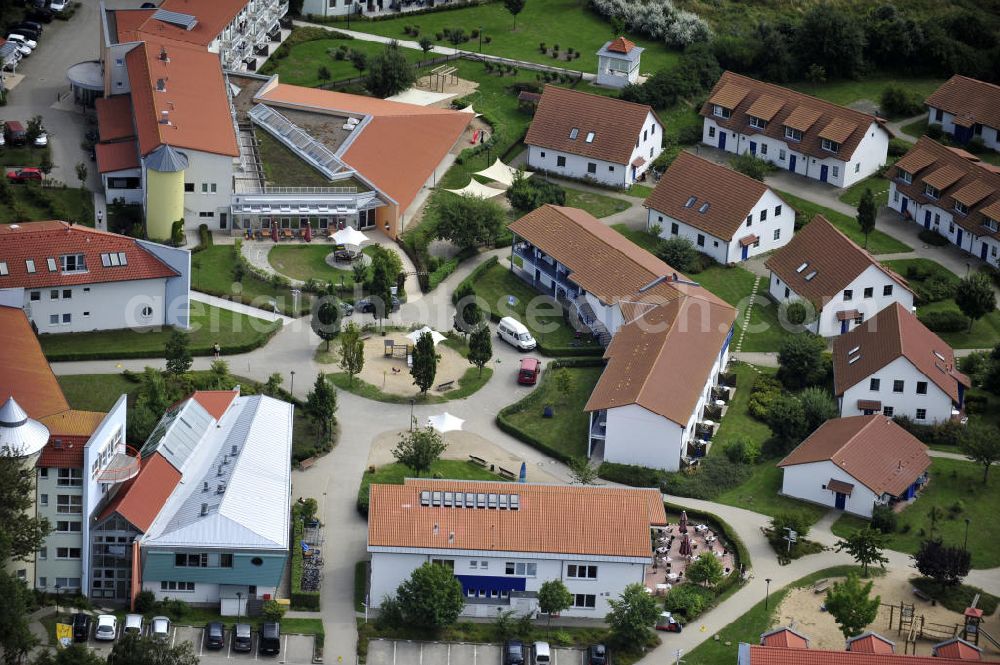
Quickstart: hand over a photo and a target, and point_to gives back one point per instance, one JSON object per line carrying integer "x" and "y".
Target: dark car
{"x": 34, "y": 25}
{"x": 513, "y": 652}
{"x": 81, "y": 627}
{"x": 270, "y": 638}
{"x": 215, "y": 635}
{"x": 597, "y": 654}
{"x": 39, "y": 14}
{"x": 26, "y": 32}
{"x": 366, "y": 305}
{"x": 242, "y": 638}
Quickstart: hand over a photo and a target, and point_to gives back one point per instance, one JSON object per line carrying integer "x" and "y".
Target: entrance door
{"x": 791, "y": 163}
{"x": 822, "y": 172}
{"x": 983, "y": 250}
{"x": 958, "y": 237}
{"x": 963, "y": 134}
{"x": 753, "y": 148}
{"x": 722, "y": 140}
{"x": 902, "y": 208}
{"x": 746, "y": 252}
{"x": 927, "y": 219}
{"x": 223, "y": 220}
{"x": 843, "y": 326}
{"x": 841, "y": 501}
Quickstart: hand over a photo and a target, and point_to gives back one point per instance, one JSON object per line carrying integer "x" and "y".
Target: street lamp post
{"x": 292, "y": 391}
{"x": 767, "y": 591}
{"x": 965, "y": 545}
{"x": 411, "y": 415}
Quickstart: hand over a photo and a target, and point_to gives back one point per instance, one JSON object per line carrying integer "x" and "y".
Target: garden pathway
{"x": 896, "y": 127}
{"x": 240, "y": 308}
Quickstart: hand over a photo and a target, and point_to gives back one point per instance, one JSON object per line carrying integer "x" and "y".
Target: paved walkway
{"x": 222, "y": 303}
{"x": 896, "y": 127}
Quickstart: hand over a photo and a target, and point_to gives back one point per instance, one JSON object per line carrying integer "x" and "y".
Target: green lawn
{"x": 953, "y": 484}
{"x": 640, "y": 237}
{"x": 34, "y": 204}
{"x": 916, "y": 129}
{"x": 283, "y": 168}
{"x": 985, "y": 332}
{"x": 932, "y": 268}
{"x": 878, "y": 242}
{"x": 597, "y": 205}
{"x": 394, "y": 474}
{"x": 563, "y": 23}
{"x": 95, "y": 392}
{"x": 642, "y": 191}
{"x": 470, "y": 382}
{"x": 305, "y": 262}
{"x": 11, "y": 156}
{"x": 566, "y": 431}
{"x": 870, "y": 88}
{"x": 235, "y": 333}
{"x": 546, "y": 324}
{"x": 212, "y": 272}
{"x": 301, "y": 67}
{"x": 878, "y": 185}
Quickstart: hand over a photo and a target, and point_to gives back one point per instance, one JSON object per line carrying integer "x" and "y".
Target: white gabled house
{"x": 502, "y": 541}
{"x": 951, "y": 192}
{"x": 843, "y": 284}
{"x": 967, "y": 109}
{"x": 618, "y": 63}
{"x": 894, "y": 365}
{"x": 591, "y": 137}
{"x": 724, "y": 214}
{"x": 854, "y": 464}
{"x": 794, "y": 131}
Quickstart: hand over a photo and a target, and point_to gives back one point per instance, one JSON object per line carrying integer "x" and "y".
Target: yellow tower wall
{"x": 164, "y": 202}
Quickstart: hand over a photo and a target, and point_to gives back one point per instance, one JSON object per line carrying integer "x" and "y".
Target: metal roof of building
{"x": 166, "y": 160}
{"x": 186, "y": 21}
{"x": 178, "y": 433}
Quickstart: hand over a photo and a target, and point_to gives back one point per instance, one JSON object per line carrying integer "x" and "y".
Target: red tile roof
{"x": 116, "y": 156}
{"x": 957, "y": 648}
{"x": 730, "y": 195}
{"x": 551, "y": 519}
{"x": 874, "y": 450}
{"x": 25, "y": 374}
{"x": 140, "y": 499}
{"x": 870, "y": 643}
{"x": 785, "y": 637}
{"x": 621, "y": 45}
{"x": 894, "y": 333}
{"x": 400, "y": 147}
{"x": 67, "y": 455}
{"x": 212, "y": 17}
{"x": 616, "y": 124}
{"x": 72, "y": 423}
{"x": 215, "y": 401}
{"x": 833, "y": 260}
{"x": 114, "y": 117}
{"x": 126, "y": 23}
{"x": 762, "y": 655}
{"x": 815, "y": 118}
{"x": 969, "y": 100}
{"x": 39, "y": 241}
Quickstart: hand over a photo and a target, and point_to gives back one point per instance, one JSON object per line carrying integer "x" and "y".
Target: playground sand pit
{"x": 379, "y": 369}
{"x": 801, "y": 608}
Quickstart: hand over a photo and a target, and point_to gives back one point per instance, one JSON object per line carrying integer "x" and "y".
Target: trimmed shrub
{"x": 631, "y": 475}
{"x": 934, "y": 131}
{"x": 884, "y": 519}
{"x": 688, "y": 600}
{"x": 713, "y": 476}
{"x": 742, "y": 451}
{"x": 947, "y": 321}
{"x": 933, "y": 238}
{"x": 765, "y": 390}
{"x": 900, "y": 102}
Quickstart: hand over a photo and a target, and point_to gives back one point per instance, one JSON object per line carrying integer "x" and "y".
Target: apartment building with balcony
{"x": 667, "y": 338}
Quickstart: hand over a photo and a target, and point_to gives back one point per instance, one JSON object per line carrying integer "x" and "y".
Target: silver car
{"x": 107, "y": 628}
{"x": 160, "y": 628}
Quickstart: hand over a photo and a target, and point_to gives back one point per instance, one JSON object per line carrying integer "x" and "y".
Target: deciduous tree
{"x": 514, "y": 7}
{"x": 866, "y": 213}
{"x": 419, "y": 449}
{"x": 389, "y": 72}
{"x": 321, "y": 405}
{"x": 975, "y": 297}
{"x": 851, "y": 606}
{"x": 133, "y": 650}
{"x": 942, "y": 563}
{"x": 866, "y": 546}
{"x": 800, "y": 361}
{"x": 563, "y": 381}
{"x": 705, "y": 570}
{"x": 467, "y": 221}
{"x": 178, "y": 353}
{"x": 581, "y": 471}
{"x": 632, "y": 615}
{"x": 553, "y": 598}
{"x": 981, "y": 444}
{"x": 325, "y": 321}
{"x": 432, "y": 598}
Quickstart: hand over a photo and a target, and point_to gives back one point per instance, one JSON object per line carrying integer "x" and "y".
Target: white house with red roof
{"x": 618, "y": 63}
{"x": 72, "y": 278}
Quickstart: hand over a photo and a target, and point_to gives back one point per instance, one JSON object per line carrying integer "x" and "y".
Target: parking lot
{"x": 295, "y": 649}
{"x": 406, "y": 652}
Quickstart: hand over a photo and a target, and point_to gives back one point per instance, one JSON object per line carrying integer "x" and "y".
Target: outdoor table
{"x": 662, "y": 550}
{"x": 701, "y": 527}
{"x": 672, "y": 577}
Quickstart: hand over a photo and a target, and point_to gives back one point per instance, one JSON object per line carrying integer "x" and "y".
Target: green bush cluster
{"x": 946, "y": 321}
{"x": 764, "y": 391}
{"x": 714, "y": 475}
{"x": 688, "y": 600}
{"x": 884, "y": 519}
{"x": 898, "y": 101}
{"x": 631, "y": 474}
{"x": 932, "y": 238}
{"x": 947, "y": 433}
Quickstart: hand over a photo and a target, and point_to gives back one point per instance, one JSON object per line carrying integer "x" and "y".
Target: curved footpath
{"x": 334, "y": 479}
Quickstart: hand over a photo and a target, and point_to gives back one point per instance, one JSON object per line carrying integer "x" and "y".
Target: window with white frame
{"x": 781, "y": 154}
{"x": 67, "y": 552}
{"x": 73, "y": 262}
{"x": 931, "y": 191}
{"x": 521, "y": 569}
{"x": 184, "y": 560}
{"x": 961, "y": 208}
{"x": 68, "y": 583}
{"x": 830, "y": 146}
{"x": 836, "y": 171}
{"x": 70, "y": 477}
{"x": 584, "y": 600}
{"x": 581, "y": 572}
{"x": 905, "y": 176}
{"x": 758, "y": 123}
{"x": 722, "y": 111}
{"x": 793, "y": 134}
{"x": 176, "y": 586}
{"x": 68, "y": 526}
{"x": 69, "y": 504}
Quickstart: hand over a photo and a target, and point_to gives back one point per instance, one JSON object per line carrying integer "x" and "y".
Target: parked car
{"x": 242, "y": 637}
{"x": 27, "y": 31}
{"x": 39, "y": 14}
{"x": 81, "y": 627}
{"x": 133, "y": 624}
{"x": 543, "y": 654}
{"x": 527, "y": 375}
{"x": 215, "y": 635}
{"x": 107, "y": 628}
{"x": 366, "y": 305}
{"x": 515, "y": 333}
{"x": 270, "y": 638}
{"x": 21, "y": 39}
{"x": 31, "y": 25}
{"x": 597, "y": 654}
{"x": 22, "y": 51}
{"x": 668, "y": 623}
{"x": 15, "y": 132}
{"x": 346, "y": 308}
{"x": 58, "y": 5}
{"x": 513, "y": 652}
{"x": 25, "y": 175}
{"x": 160, "y": 628}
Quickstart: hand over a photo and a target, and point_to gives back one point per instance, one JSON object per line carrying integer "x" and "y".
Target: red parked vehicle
{"x": 530, "y": 369}
{"x": 25, "y": 175}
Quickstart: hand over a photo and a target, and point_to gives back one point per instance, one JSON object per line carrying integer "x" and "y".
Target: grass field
{"x": 235, "y": 333}
{"x": 956, "y": 487}
{"x": 576, "y": 27}
{"x": 985, "y": 332}
{"x": 878, "y": 242}
{"x": 566, "y": 431}
{"x": 95, "y": 392}
{"x": 598, "y": 205}
{"x": 11, "y": 156}
{"x": 212, "y": 272}
{"x": 870, "y": 88}
{"x": 301, "y": 67}
{"x": 283, "y": 168}
{"x": 56, "y": 203}
{"x": 878, "y": 185}
{"x": 305, "y": 262}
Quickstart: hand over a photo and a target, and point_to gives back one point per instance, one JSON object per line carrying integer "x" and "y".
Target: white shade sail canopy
{"x": 350, "y": 236}
{"x": 20, "y": 436}
{"x": 435, "y": 335}
{"x": 445, "y": 422}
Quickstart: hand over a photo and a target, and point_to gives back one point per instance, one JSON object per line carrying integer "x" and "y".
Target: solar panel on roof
{"x": 186, "y": 21}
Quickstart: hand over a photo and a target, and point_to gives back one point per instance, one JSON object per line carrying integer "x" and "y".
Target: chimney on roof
{"x": 57, "y": 444}
{"x": 235, "y": 450}
{"x": 220, "y": 470}
{"x": 163, "y": 54}
{"x": 164, "y": 117}
{"x": 204, "y": 509}
{"x": 161, "y": 85}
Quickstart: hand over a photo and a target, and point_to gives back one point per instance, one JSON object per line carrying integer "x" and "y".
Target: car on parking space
{"x": 22, "y": 50}
{"x": 346, "y": 308}
{"x": 133, "y": 624}
{"x": 31, "y": 25}
{"x": 215, "y": 635}
{"x": 270, "y": 638}
{"x": 39, "y": 14}
{"x": 668, "y": 623}
{"x": 366, "y": 305}
{"x": 513, "y": 652}
{"x": 41, "y": 140}
{"x": 527, "y": 375}
{"x": 27, "y": 31}
{"x": 81, "y": 627}
{"x": 21, "y": 39}
{"x": 15, "y": 132}
{"x": 543, "y": 655}
{"x": 597, "y": 654}
{"x": 107, "y": 628}
{"x": 242, "y": 637}
{"x": 159, "y": 628}
{"x": 58, "y": 5}
{"x": 25, "y": 175}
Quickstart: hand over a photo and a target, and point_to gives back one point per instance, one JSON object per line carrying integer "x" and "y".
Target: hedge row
{"x": 300, "y": 600}
{"x": 228, "y": 349}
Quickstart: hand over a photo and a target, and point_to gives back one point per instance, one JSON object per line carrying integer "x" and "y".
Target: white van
{"x": 542, "y": 653}
{"x": 515, "y": 333}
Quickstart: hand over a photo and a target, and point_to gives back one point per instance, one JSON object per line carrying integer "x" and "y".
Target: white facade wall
{"x": 177, "y": 291}
{"x": 115, "y": 71}
{"x": 49, "y": 567}
{"x": 133, "y": 195}
{"x": 936, "y": 403}
{"x": 331, "y": 7}
{"x": 204, "y": 593}
{"x": 635, "y": 435}
{"x": 390, "y": 569}
{"x": 204, "y": 171}
{"x": 609, "y": 315}
{"x": 780, "y": 220}
{"x": 616, "y": 72}
{"x": 867, "y": 158}
{"x": 806, "y": 481}
{"x": 105, "y": 306}
{"x": 990, "y": 136}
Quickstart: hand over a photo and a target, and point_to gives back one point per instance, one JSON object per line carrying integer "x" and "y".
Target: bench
{"x": 821, "y": 586}
{"x": 920, "y": 594}
{"x": 478, "y": 461}
{"x": 306, "y": 463}
{"x": 504, "y": 473}
{"x": 447, "y": 385}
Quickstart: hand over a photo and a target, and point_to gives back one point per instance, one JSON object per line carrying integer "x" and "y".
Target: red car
{"x": 25, "y": 175}
{"x": 668, "y": 624}
{"x": 530, "y": 369}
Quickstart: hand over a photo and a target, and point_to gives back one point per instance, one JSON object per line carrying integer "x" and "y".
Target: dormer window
{"x": 573, "y": 133}
{"x": 932, "y": 192}
{"x": 961, "y": 208}
{"x": 905, "y": 176}
{"x": 690, "y": 202}
{"x": 793, "y": 134}
{"x": 590, "y": 137}
{"x": 722, "y": 111}
{"x": 830, "y": 146}
{"x": 758, "y": 123}
{"x": 991, "y": 224}
{"x": 73, "y": 262}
